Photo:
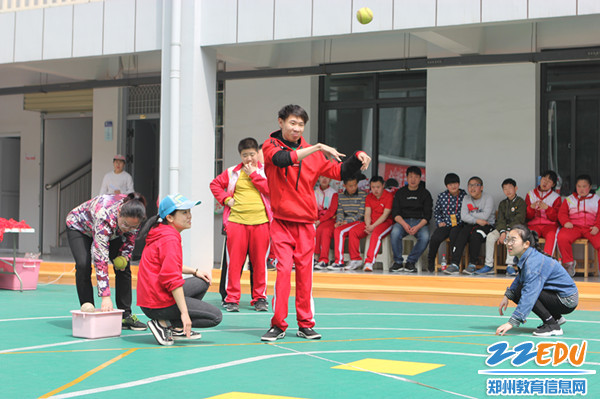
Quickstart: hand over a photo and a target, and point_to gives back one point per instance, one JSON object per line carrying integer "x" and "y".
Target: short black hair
{"x": 413, "y": 169}
{"x": 350, "y": 178}
{"x": 248, "y": 143}
{"x": 510, "y": 181}
{"x": 477, "y": 178}
{"x": 292, "y": 109}
{"x": 391, "y": 182}
{"x": 451, "y": 178}
{"x": 550, "y": 174}
{"x": 377, "y": 179}
{"x": 584, "y": 177}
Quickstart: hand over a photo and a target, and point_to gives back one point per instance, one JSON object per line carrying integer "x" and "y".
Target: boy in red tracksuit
{"x": 293, "y": 167}
{"x": 543, "y": 205}
{"x": 377, "y": 224}
{"x": 244, "y": 192}
{"x": 327, "y": 203}
{"x": 580, "y": 217}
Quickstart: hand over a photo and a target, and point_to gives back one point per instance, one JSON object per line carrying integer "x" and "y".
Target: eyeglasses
{"x": 127, "y": 226}
{"x": 510, "y": 240}
{"x": 475, "y": 185}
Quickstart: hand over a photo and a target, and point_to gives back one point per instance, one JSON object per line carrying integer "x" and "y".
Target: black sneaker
{"x": 548, "y": 330}
{"x": 410, "y": 267}
{"x": 397, "y": 267}
{"x": 179, "y": 334}
{"x": 131, "y": 322}
{"x": 308, "y": 333}
{"x": 273, "y": 334}
{"x": 163, "y": 335}
{"x": 232, "y": 307}
{"x": 261, "y": 305}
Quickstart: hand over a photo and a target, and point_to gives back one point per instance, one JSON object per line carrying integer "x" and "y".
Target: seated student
{"x": 350, "y": 214}
{"x": 477, "y": 214}
{"x": 447, "y": 217}
{"x": 511, "y": 211}
{"x": 543, "y": 205}
{"x": 244, "y": 191}
{"x": 327, "y": 203}
{"x": 542, "y": 286}
{"x": 579, "y": 217}
{"x": 377, "y": 225}
{"x": 411, "y": 211}
{"x": 173, "y": 303}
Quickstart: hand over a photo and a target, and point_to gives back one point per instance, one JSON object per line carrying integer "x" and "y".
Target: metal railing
{"x": 19, "y": 5}
{"x": 71, "y": 190}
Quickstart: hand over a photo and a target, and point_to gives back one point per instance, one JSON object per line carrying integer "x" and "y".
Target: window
{"x": 380, "y": 113}
{"x": 570, "y": 122}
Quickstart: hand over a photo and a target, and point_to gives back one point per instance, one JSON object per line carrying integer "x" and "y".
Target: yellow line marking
{"x": 433, "y": 339}
{"x": 88, "y": 374}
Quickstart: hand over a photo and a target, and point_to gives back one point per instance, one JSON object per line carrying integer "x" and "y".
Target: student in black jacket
{"x": 411, "y": 212}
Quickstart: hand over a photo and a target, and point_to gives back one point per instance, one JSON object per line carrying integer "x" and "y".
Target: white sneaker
{"x": 368, "y": 267}
{"x": 354, "y": 264}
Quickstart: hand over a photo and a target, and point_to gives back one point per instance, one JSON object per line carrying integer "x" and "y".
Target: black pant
{"x": 81, "y": 246}
{"x": 475, "y": 235}
{"x": 203, "y": 314}
{"x": 223, "y": 281}
{"x": 438, "y": 236}
{"x": 548, "y": 304}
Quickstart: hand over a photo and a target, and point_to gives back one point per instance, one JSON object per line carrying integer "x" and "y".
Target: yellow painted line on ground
{"x": 88, "y": 374}
{"x": 433, "y": 339}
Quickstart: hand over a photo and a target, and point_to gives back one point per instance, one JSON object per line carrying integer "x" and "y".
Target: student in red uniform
{"x": 173, "y": 303}
{"x": 543, "y": 204}
{"x": 580, "y": 217}
{"x": 327, "y": 203}
{"x": 377, "y": 224}
{"x": 244, "y": 192}
{"x": 293, "y": 167}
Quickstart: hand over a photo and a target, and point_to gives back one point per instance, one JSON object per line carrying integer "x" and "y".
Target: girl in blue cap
{"x": 173, "y": 303}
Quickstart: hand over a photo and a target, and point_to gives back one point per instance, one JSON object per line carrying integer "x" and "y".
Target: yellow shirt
{"x": 248, "y": 206}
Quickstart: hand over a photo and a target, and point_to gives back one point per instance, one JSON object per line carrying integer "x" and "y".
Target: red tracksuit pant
{"x": 547, "y": 231}
{"x": 377, "y": 235}
{"x": 339, "y": 235}
{"x": 293, "y": 245}
{"x": 241, "y": 240}
{"x": 323, "y": 242}
{"x": 566, "y": 237}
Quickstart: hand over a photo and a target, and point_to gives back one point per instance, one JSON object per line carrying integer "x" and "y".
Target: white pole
{"x": 175, "y": 77}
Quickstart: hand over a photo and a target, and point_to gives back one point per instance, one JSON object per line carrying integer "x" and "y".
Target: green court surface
{"x": 369, "y": 350}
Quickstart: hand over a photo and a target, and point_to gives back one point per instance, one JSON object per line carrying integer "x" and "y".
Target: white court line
{"x": 477, "y": 333}
{"x": 327, "y": 314}
{"x": 198, "y": 370}
{"x": 395, "y": 377}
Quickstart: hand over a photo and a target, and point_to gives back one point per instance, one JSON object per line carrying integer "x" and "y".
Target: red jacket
{"x": 582, "y": 212}
{"x": 548, "y": 216}
{"x": 292, "y": 187}
{"x": 160, "y": 270}
{"x": 223, "y": 187}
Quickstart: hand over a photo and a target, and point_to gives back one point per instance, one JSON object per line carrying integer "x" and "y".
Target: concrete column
{"x": 196, "y": 130}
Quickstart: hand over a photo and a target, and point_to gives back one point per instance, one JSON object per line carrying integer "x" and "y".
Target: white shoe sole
{"x": 272, "y": 339}
{"x": 549, "y": 333}
{"x": 302, "y": 335}
{"x": 183, "y": 337}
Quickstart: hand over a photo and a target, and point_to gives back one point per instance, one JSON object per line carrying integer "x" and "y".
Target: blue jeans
{"x": 398, "y": 234}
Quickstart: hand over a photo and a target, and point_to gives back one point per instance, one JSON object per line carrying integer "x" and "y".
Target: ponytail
{"x": 134, "y": 206}
{"x": 146, "y": 226}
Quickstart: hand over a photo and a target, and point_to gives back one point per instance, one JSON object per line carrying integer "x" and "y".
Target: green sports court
{"x": 378, "y": 349}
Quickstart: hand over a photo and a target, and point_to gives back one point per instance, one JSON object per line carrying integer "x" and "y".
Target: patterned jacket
{"x": 97, "y": 218}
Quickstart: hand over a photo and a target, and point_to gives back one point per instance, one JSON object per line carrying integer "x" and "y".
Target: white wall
{"x": 251, "y": 107}
{"x": 482, "y": 120}
{"x": 25, "y": 124}
{"x": 108, "y": 106}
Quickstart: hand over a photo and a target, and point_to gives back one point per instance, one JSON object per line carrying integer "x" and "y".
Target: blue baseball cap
{"x": 174, "y": 202}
